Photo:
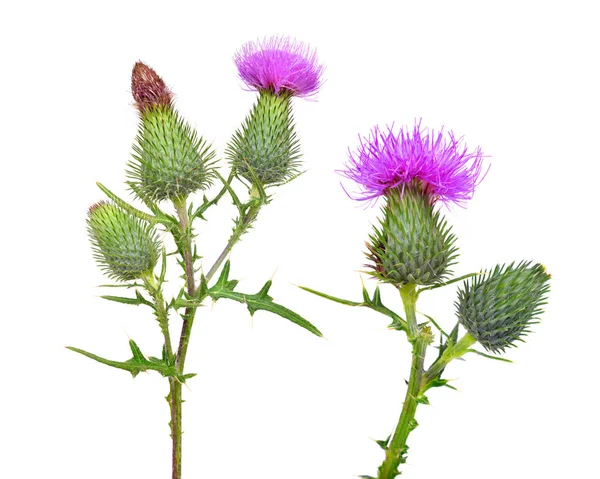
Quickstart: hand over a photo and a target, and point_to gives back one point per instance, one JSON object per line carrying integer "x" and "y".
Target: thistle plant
{"x": 170, "y": 167}
{"x": 413, "y": 249}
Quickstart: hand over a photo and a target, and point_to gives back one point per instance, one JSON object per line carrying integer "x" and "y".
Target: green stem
{"x": 396, "y": 450}
{"x": 409, "y": 294}
{"x": 161, "y": 313}
{"x": 452, "y": 352}
{"x": 175, "y": 393}
{"x": 174, "y": 397}
{"x": 241, "y": 227}
{"x": 184, "y": 240}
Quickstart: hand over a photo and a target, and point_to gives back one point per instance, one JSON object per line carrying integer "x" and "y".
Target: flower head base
{"x": 413, "y": 243}
{"x": 446, "y": 169}
{"x": 280, "y": 65}
{"x": 149, "y": 89}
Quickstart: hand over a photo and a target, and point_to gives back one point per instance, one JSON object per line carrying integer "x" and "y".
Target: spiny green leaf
{"x": 206, "y": 203}
{"x": 446, "y": 283}
{"x": 138, "y": 363}
{"x": 126, "y": 206}
{"x": 383, "y": 443}
{"x": 373, "y": 303}
{"x": 139, "y": 299}
{"x": 495, "y": 358}
{"x": 224, "y": 288}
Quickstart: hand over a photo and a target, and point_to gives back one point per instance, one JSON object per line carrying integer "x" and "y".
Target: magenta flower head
{"x": 445, "y": 168}
{"x": 280, "y": 64}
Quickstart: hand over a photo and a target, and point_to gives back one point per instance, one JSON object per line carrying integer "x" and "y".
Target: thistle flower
{"x": 125, "y": 247}
{"x": 170, "y": 160}
{"x": 445, "y": 168}
{"x": 279, "y": 64}
{"x": 498, "y": 306}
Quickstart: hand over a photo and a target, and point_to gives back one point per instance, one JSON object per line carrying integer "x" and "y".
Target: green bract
{"x": 170, "y": 161}
{"x": 266, "y": 142}
{"x": 498, "y": 306}
{"x": 413, "y": 243}
{"x": 125, "y": 247}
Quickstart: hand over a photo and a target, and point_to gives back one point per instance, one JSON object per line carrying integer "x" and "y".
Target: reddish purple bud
{"x": 148, "y": 88}
{"x": 442, "y": 163}
{"x": 280, "y": 64}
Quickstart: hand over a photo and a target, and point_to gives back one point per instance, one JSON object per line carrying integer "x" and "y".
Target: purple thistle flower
{"x": 279, "y": 64}
{"x": 446, "y": 169}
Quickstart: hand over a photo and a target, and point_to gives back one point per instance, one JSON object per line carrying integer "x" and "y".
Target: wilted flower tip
{"x": 148, "y": 88}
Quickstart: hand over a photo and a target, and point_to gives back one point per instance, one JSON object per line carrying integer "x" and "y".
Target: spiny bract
{"x": 170, "y": 161}
{"x": 266, "y": 142}
{"x": 498, "y": 306}
{"x": 125, "y": 247}
{"x": 413, "y": 243}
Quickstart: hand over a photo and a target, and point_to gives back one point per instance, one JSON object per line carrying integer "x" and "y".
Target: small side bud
{"x": 149, "y": 89}
{"x": 498, "y": 307}
{"x": 413, "y": 243}
{"x": 125, "y": 247}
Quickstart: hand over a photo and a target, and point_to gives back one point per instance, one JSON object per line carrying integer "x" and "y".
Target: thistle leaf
{"x": 138, "y": 363}
{"x": 373, "y": 303}
{"x": 139, "y": 299}
{"x": 224, "y": 288}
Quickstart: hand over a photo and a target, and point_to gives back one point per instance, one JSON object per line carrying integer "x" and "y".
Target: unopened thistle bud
{"x": 125, "y": 247}
{"x": 498, "y": 307}
{"x": 170, "y": 160}
{"x": 413, "y": 243}
{"x": 278, "y": 68}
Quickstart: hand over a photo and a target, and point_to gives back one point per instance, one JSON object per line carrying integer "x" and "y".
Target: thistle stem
{"x": 184, "y": 243}
{"x": 175, "y": 394}
{"x": 396, "y": 449}
{"x": 452, "y": 352}
{"x": 241, "y": 227}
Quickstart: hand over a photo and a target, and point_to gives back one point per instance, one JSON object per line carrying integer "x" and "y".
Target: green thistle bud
{"x": 413, "y": 243}
{"x": 170, "y": 160}
{"x": 498, "y": 306}
{"x": 266, "y": 142}
{"x": 125, "y": 247}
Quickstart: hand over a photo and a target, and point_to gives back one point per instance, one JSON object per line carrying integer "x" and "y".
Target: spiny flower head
{"x": 443, "y": 165}
{"x": 498, "y": 306}
{"x": 280, "y": 65}
{"x": 125, "y": 247}
{"x": 148, "y": 88}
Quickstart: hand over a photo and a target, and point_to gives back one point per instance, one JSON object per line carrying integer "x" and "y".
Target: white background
{"x": 270, "y": 400}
